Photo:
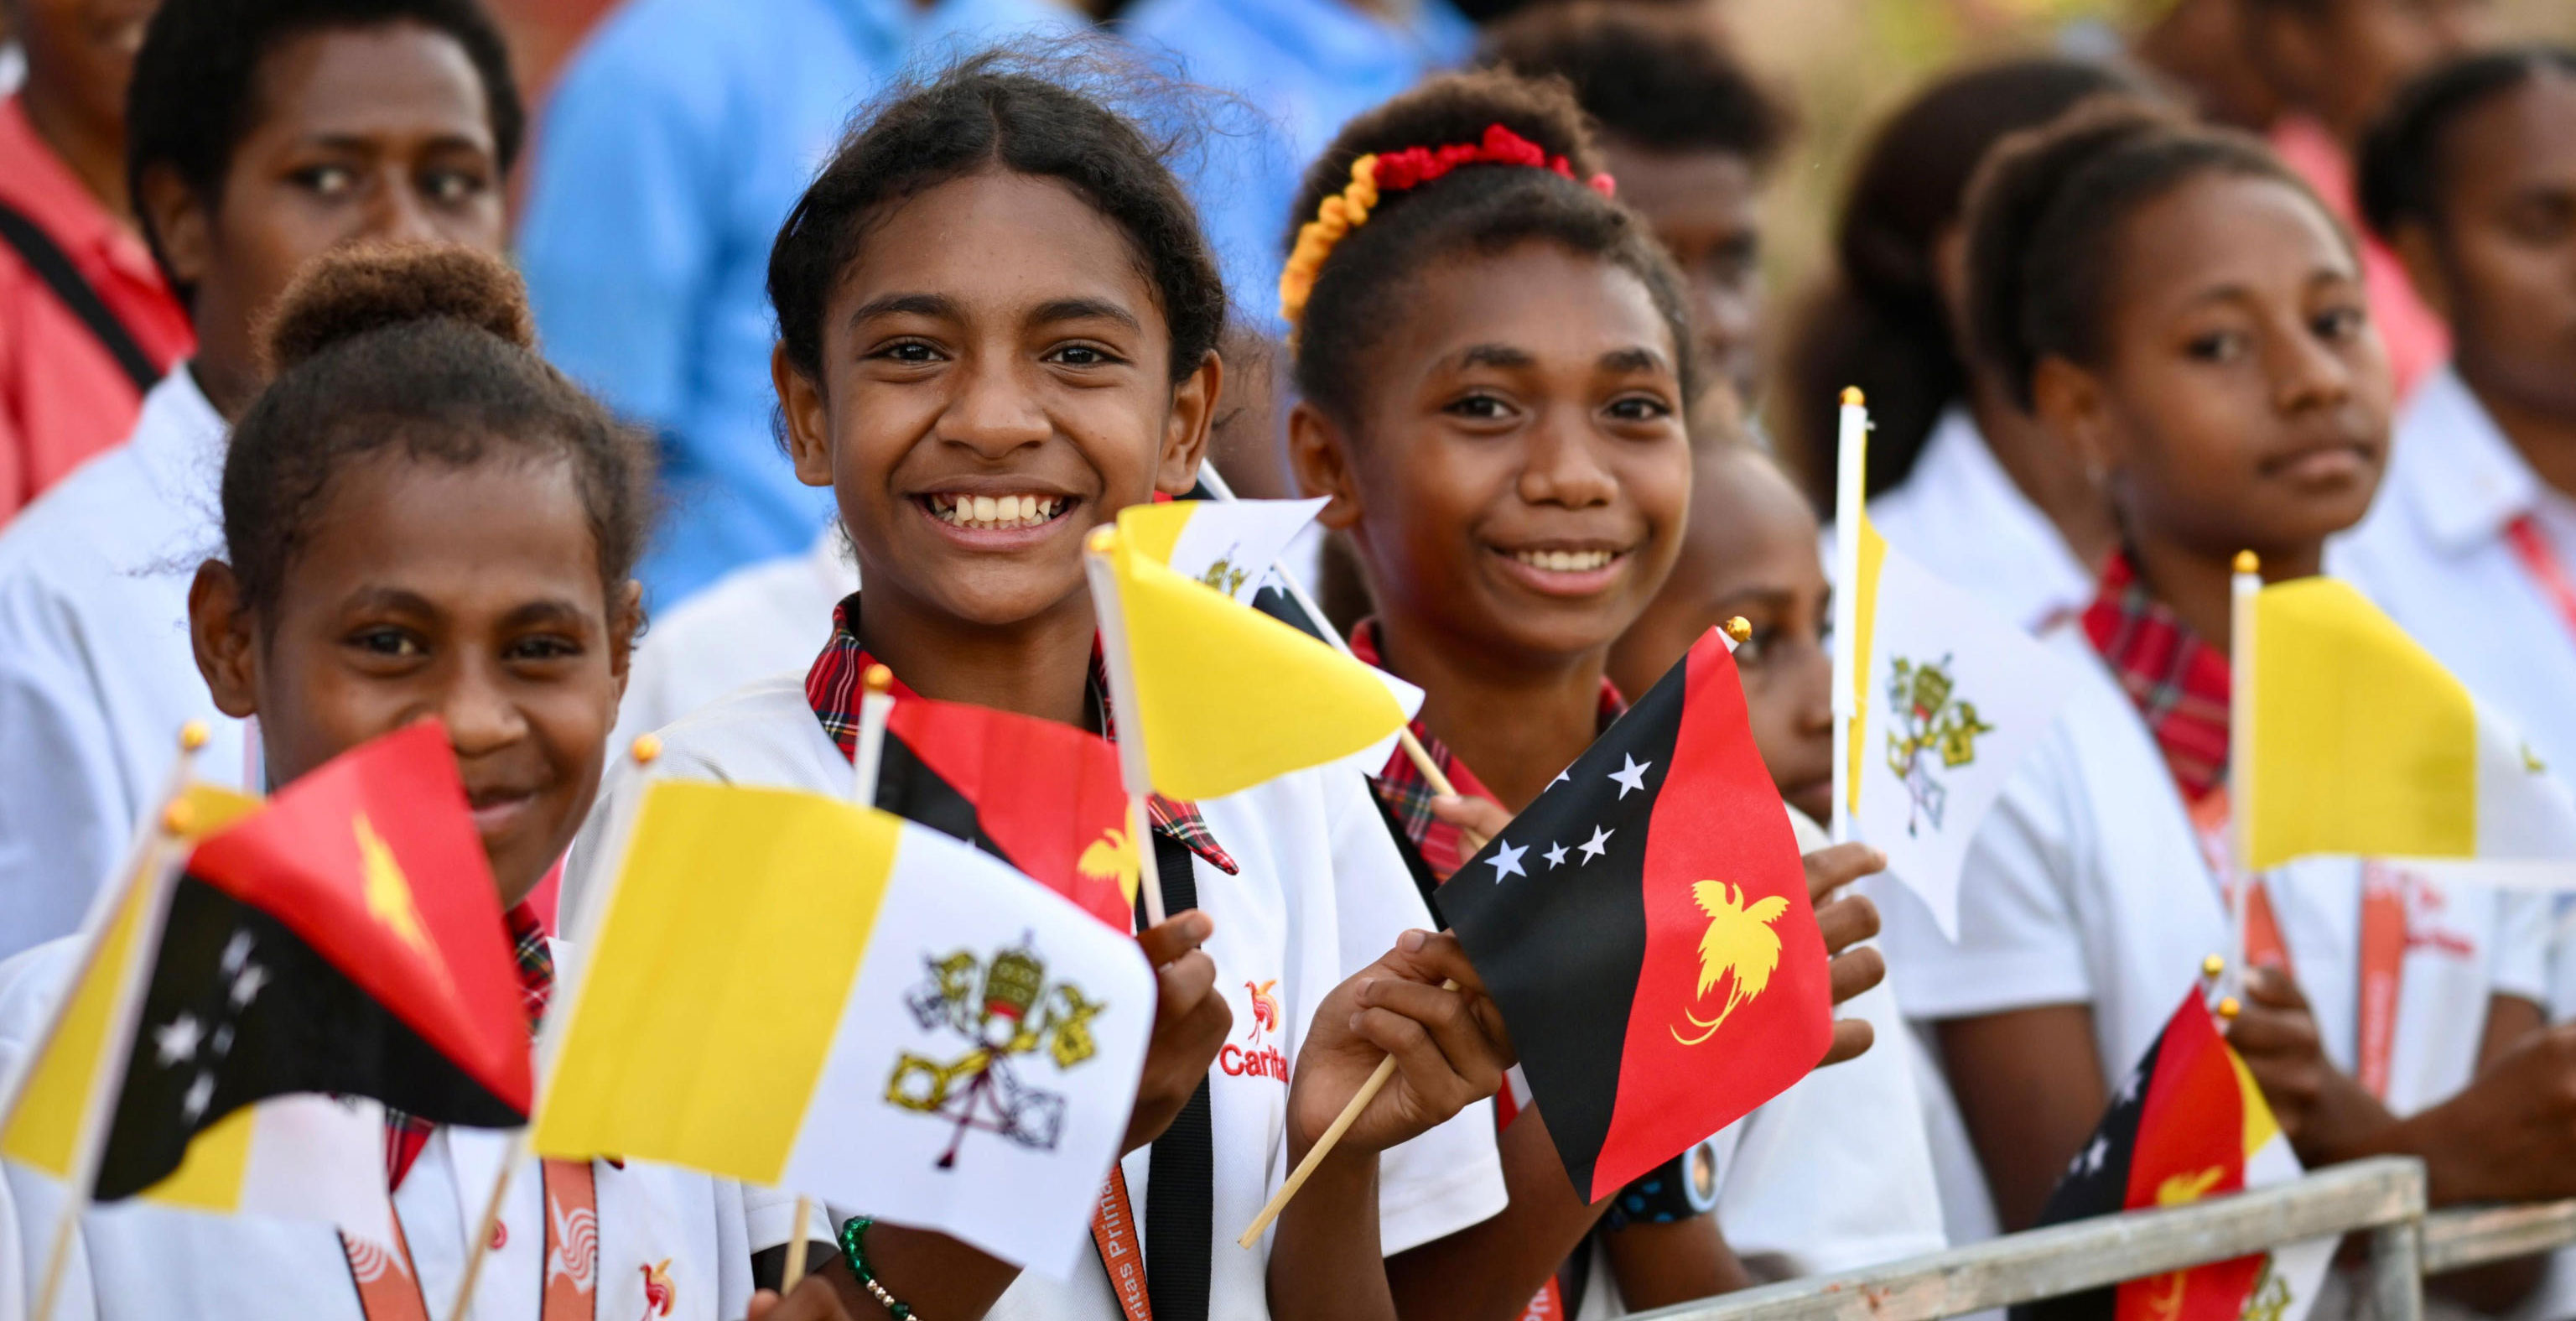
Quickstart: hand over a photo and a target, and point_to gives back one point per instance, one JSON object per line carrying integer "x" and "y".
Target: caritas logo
{"x": 1257, "y": 1060}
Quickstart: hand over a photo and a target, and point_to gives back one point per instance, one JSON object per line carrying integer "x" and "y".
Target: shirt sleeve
{"x": 2525, "y": 924}
{"x": 2020, "y": 942}
{"x": 65, "y": 810}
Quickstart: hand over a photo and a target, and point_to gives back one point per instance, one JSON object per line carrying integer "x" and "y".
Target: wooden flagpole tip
{"x": 1102, "y": 540}
{"x": 646, "y": 749}
{"x": 2248, "y": 562}
{"x": 1739, "y": 629}
{"x": 178, "y": 818}
{"x": 2228, "y": 1008}
{"x": 195, "y": 735}
{"x": 1852, "y": 397}
{"x": 2212, "y": 966}
{"x": 878, "y": 678}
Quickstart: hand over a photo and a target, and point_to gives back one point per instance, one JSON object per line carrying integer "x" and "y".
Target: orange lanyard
{"x": 2531, "y": 546}
{"x": 1113, "y": 1231}
{"x": 2383, "y": 939}
{"x": 389, "y": 1287}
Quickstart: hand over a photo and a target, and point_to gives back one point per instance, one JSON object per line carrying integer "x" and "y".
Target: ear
{"x": 2425, "y": 269}
{"x": 808, "y": 421}
{"x": 225, "y": 636}
{"x": 1185, "y": 431}
{"x": 180, "y": 220}
{"x": 625, "y": 621}
{"x": 1319, "y": 454}
{"x": 2069, "y": 401}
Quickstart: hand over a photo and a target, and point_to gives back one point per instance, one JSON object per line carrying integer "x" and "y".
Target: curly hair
{"x": 1362, "y": 286}
{"x": 1655, "y": 79}
{"x": 427, "y": 350}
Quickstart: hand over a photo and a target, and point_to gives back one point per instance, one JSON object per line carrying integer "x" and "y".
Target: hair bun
{"x": 353, "y": 291}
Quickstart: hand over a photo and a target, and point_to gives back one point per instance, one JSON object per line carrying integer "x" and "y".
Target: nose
{"x": 994, "y": 412}
{"x": 2311, "y": 374}
{"x": 481, "y": 716}
{"x": 398, "y": 213}
{"x": 1563, "y": 465}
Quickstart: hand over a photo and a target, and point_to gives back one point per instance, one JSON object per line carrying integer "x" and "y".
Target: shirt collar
{"x": 833, "y": 689}
{"x": 534, "y": 960}
{"x": 2179, "y": 683}
{"x": 2464, "y": 480}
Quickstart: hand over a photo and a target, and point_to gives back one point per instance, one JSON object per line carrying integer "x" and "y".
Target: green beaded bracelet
{"x": 854, "y": 1232}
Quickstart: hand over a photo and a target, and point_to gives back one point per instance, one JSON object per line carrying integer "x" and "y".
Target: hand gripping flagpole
{"x": 2243, "y": 587}
{"x": 1851, "y": 462}
{"x": 1132, "y": 765}
{"x": 160, "y": 834}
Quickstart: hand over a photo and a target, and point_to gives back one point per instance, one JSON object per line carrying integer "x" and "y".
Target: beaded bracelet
{"x": 853, "y": 1232}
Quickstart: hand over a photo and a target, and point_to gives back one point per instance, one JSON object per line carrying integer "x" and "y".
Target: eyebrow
{"x": 1632, "y": 360}
{"x": 931, "y": 305}
{"x": 1494, "y": 355}
{"x": 547, "y": 612}
{"x": 1084, "y": 309}
{"x": 394, "y": 599}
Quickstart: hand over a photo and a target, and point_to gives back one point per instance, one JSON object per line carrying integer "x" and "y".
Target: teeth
{"x": 1565, "y": 561}
{"x": 987, "y": 513}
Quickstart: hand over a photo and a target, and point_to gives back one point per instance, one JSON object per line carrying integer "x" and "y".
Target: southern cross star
{"x": 1631, "y": 776}
{"x": 1507, "y": 860}
{"x": 1598, "y": 844}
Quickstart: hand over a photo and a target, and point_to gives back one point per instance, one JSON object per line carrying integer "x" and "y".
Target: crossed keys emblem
{"x": 1930, "y": 721}
{"x": 1006, "y": 1012}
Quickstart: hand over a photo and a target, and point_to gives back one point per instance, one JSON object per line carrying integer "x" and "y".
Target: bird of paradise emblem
{"x": 659, "y": 1295}
{"x": 1265, "y": 1007}
{"x": 2164, "y": 1297}
{"x": 1739, "y": 947}
{"x": 1112, "y": 857}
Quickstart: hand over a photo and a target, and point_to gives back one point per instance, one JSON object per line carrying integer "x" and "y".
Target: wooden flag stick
{"x": 1149, "y": 873}
{"x": 795, "y": 1273}
{"x": 1323, "y": 1145}
{"x": 1850, "y": 667}
{"x": 477, "y": 1247}
{"x": 2243, "y": 587}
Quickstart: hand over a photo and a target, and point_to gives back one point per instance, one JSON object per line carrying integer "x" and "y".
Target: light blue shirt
{"x": 675, "y": 144}
{"x": 1305, "y": 68}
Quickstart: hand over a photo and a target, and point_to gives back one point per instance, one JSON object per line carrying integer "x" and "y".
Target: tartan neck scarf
{"x": 2179, "y": 683}
{"x": 1407, "y": 793}
{"x": 833, "y": 689}
{"x": 405, "y": 1135}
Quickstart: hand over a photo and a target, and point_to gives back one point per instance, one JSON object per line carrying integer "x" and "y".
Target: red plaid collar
{"x": 405, "y": 1135}
{"x": 2180, "y": 683}
{"x": 1407, "y": 793}
{"x": 833, "y": 689}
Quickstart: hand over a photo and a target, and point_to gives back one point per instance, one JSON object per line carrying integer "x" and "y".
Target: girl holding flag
{"x": 1495, "y": 365}
{"x": 2176, "y": 307}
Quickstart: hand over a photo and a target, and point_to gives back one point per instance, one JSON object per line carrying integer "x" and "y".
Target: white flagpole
{"x": 1102, "y": 543}
{"x": 876, "y": 703}
{"x": 162, "y": 832}
{"x": 2243, "y": 587}
{"x": 1851, "y": 462}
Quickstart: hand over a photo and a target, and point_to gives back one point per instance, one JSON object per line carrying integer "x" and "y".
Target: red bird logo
{"x": 1265, "y": 1007}
{"x": 658, "y": 1293}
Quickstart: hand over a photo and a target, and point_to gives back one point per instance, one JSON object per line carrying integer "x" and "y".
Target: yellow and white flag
{"x": 296, "y": 1157}
{"x": 1946, "y": 697}
{"x": 2362, "y": 743}
{"x": 1214, "y": 697}
{"x": 1228, "y": 545}
{"x": 801, "y": 993}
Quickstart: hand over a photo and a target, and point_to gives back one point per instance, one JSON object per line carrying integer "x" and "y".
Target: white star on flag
{"x": 2091, "y": 1159}
{"x": 1598, "y": 844}
{"x": 201, "y": 1093}
{"x": 247, "y": 985}
{"x": 1560, "y": 779}
{"x": 1507, "y": 860}
{"x": 176, "y": 1041}
{"x": 1555, "y": 855}
{"x": 235, "y": 951}
{"x": 1630, "y": 776}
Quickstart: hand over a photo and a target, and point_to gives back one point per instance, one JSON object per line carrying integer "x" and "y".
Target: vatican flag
{"x": 1230, "y": 545}
{"x": 802, "y": 993}
{"x": 2361, "y": 743}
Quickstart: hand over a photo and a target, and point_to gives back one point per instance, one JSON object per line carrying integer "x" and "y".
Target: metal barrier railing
{"x": 2475, "y": 1235}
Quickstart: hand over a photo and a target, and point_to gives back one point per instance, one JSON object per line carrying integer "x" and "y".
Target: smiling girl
{"x": 2180, "y": 310}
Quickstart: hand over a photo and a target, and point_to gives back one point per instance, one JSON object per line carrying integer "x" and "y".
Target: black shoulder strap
{"x": 54, "y": 267}
{"x": 1180, "y": 1187}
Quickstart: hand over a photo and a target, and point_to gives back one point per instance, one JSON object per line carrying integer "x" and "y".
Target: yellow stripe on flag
{"x": 44, "y": 1130}
{"x": 2260, "y": 1126}
{"x": 2362, "y": 742}
{"x": 1155, "y": 530}
{"x": 209, "y": 1177}
{"x": 1232, "y": 697}
{"x": 1873, "y": 554}
{"x": 730, "y": 943}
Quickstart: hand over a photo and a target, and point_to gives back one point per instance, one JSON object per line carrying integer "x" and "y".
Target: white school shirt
{"x": 1959, "y": 515}
{"x": 96, "y": 671}
{"x": 137, "y": 1262}
{"x": 1321, "y": 894}
{"x": 2086, "y": 885}
{"x": 752, "y": 623}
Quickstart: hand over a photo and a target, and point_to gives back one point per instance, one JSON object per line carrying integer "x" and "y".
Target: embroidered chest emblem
{"x": 1005, "y": 1012}
{"x": 1255, "y": 1057}
{"x": 1931, "y": 730}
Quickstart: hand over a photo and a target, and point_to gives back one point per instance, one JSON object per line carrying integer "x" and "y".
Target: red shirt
{"x": 62, "y": 397}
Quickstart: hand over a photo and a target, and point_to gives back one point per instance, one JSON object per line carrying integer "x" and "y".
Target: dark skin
{"x": 2341, "y": 60}
{"x": 376, "y": 134}
{"x": 1704, "y": 207}
{"x": 1515, "y": 486}
{"x": 996, "y": 339}
{"x": 2499, "y": 264}
{"x": 80, "y": 56}
{"x": 2242, "y": 401}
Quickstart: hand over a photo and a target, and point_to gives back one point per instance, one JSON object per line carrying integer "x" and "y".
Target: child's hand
{"x": 2322, "y": 1111}
{"x": 1190, "y": 1023}
{"x": 814, "y": 1300}
{"x": 1846, "y": 922}
{"x": 1480, "y": 818}
{"x": 2510, "y": 1136}
{"x": 1449, "y": 1047}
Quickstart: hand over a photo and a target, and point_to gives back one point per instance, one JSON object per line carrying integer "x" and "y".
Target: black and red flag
{"x": 2188, "y": 1123}
{"x": 346, "y": 938}
{"x": 1645, "y": 929}
{"x": 1042, "y": 796}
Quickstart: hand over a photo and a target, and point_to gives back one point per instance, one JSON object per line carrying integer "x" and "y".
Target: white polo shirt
{"x": 137, "y": 1262}
{"x": 1959, "y": 515}
{"x": 1321, "y": 893}
{"x": 96, "y": 671}
{"x": 2086, "y": 885}
{"x": 757, "y": 621}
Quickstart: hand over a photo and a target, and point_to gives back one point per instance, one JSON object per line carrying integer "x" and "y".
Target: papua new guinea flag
{"x": 1042, "y": 796}
{"x": 345, "y": 939}
{"x": 2188, "y": 1123}
{"x": 1645, "y": 929}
